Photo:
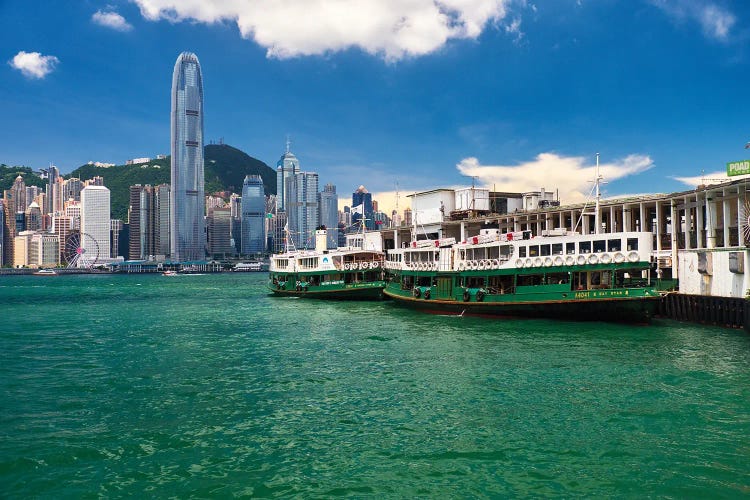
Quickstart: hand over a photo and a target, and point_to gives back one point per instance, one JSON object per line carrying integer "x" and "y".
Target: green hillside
{"x": 8, "y": 175}
{"x": 225, "y": 169}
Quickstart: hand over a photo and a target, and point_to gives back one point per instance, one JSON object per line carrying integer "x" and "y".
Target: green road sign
{"x": 738, "y": 168}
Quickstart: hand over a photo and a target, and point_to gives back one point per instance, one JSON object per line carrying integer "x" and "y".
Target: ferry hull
{"x": 638, "y": 310}
{"x": 367, "y": 291}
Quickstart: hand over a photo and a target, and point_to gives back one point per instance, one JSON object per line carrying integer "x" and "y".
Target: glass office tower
{"x": 186, "y": 206}
{"x": 253, "y": 215}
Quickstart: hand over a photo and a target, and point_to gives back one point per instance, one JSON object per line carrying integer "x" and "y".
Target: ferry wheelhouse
{"x": 603, "y": 277}
{"x": 354, "y": 272}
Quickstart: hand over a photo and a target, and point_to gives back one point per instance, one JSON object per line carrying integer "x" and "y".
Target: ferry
{"x": 353, "y": 272}
{"x": 604, "y": 277}
{"x": 45, "y": 272}
{"x": 244, "y": 267}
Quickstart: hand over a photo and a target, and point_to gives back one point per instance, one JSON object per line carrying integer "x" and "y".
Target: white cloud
{"x": 571, "y": 175}
{"x": 111, "y": 20}
{"x": 393, "y": 29}
{"x": 33, "y": 64}
{"x": 715, "y": 21}
{"x": 709, "y": 178}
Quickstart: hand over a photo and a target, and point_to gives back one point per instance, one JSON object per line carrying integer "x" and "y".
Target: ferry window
{"x": 522, "y": 251}
{"x": 584, "y": 247}
{"x": 632, "y": 244}
{"x": 570, "y": 248}
{"x": 505, "y": 251}
{"x": 614, "y": 245}
{"x": 557, "y": 249}
{"x": 534, "y": 251}
{"x": 600, "y": 246}
{"x": 545, "y": 249}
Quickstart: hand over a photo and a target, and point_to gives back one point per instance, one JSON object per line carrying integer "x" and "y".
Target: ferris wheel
{"x": 81, "y": 250}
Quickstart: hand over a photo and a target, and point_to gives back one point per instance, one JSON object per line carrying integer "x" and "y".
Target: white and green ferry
{"x": 604, "y": 277}
{"x": 353, "y": 272}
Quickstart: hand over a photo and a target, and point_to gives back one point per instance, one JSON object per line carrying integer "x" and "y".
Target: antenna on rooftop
{"x": 288, "y": 143}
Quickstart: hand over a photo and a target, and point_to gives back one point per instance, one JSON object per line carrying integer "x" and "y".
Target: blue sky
{"x": 518, "y": 94}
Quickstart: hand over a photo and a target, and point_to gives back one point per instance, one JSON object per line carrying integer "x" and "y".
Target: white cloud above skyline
{"x": 715, "y": 21}
{"x": 571, "y": 176}
{"x": 34, "y": 64}
{"x": 708, "y": 178}
{"x": 392, "y": 29}
{"x": 111, "y": 19}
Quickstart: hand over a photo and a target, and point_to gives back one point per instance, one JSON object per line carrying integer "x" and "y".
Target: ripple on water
{"x": 209, "y": 387}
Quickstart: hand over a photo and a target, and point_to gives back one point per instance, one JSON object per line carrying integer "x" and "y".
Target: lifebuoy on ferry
{"x": 461, "y": 266}
{"x": 605, "y": 258}
{"x": 519, "y": 262}
{"x": 346, "y": 266}
{"x": 547, "y": 261}
{"x": 529, "y": 262}
{"x": 581, "y": 260}
{"x": 619, "y": 258}
{"x": 537, "y": 262}
{"x": 593, "y": 259}
{"x": 558, "y": 261}
{"x": 633, "y": 256}
{"x": 570, "y": 260}
{"x": 496, "y": 263}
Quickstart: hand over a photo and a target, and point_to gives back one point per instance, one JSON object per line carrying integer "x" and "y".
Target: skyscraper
{"x": 303, "y": 211}
{"x": 362, "y": 205}
{"x": 95, "y": 221}
{"x": 187, "y": 235}
{"x": 253, "y": 215}
{"x": 329, "y": 213}
{"x": 286, "y": 167}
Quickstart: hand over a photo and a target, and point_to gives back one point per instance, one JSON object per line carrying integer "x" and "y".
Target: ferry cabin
{"x": 300, "y": 271}
{"x": 513, "y": 267}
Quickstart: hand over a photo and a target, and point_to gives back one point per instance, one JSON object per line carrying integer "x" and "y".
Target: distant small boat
{"x": 169, "y": 273}
{"x": 45, "y": 272}
{"x": 248, "y": 267}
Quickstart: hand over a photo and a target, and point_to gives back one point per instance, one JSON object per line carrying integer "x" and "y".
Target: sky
{"x": 397, "y": 95}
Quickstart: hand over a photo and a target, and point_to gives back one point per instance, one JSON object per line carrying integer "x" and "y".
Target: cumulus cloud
{"x": 715, "y": 21}
{"x": 111, "y": 19}
{"x": 393, "y": 29}
{"x": 571, "y": 175}
{"x": 34, "y": 64}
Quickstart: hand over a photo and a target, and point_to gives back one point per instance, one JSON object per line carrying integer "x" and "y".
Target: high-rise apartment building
{"x": 187, "y": 235}
{"x": 329, "y": 213}
{"x": 33, "y": 217}
{"x": 161, "y": 205}
{"x": 220, "y": 232}
{"x": 18, "y": 195}
{"x": 95, "y": 222}
{"x": 54, "y": 190}
{"x": 253, "y": 215}
{"x": 72, "y": 189}
{"x": 303, "y": 211}
{"x": 286, "y": 167}
{"x": 141, "y": 218}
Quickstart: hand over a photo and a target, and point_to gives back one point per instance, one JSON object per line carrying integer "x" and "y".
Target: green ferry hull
{"x": 362, "y": 291}
{"x": 638, "y": 309}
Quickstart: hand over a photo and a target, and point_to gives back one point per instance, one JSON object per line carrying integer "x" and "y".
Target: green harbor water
{"x": 204, "y": 386}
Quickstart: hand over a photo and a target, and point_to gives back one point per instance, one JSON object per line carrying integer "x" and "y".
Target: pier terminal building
{"x": 700, "y": 236}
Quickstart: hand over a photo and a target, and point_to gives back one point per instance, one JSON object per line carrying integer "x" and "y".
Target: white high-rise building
{"x": 95, "y": 221}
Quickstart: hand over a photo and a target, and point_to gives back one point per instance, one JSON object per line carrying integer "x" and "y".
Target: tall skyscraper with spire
{"x": 286, "y": 167}
{"x": 187, "y": 235}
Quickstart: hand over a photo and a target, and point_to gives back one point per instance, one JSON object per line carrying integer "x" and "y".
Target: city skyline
{"x": 513, "y": 95}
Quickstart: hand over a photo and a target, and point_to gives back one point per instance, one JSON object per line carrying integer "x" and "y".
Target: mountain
{"x": 225, "y": 167}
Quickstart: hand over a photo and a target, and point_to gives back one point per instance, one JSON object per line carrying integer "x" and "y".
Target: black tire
{"x": 427, "y": 295}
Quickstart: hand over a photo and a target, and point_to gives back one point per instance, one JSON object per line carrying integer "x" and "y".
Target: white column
{"x": 675, "y": 217}
{"x": 700, "y": 229}
{"x": 710, "y": 220}
{"x": 686, "y": 229}
{"x": 658, "y": 226}
{"x": 726, "y": 211}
